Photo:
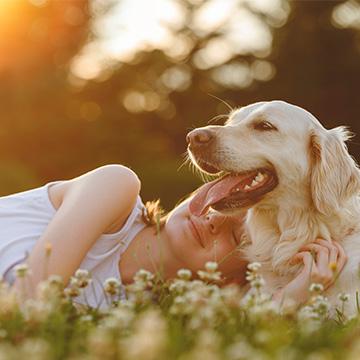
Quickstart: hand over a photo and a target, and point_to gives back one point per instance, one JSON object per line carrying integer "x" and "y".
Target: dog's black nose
{"x": 199, "y": 137}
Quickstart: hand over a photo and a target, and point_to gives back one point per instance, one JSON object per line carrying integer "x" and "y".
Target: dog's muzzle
{"x": 200, "y": 139}
{"x": 202, "y": 145}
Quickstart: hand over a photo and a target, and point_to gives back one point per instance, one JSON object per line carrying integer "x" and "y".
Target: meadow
{"x": 86, "y": 83}
{"x": 184, "y": 318}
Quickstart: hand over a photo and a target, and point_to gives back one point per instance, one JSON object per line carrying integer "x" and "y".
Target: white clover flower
{"x": 123, "y": 316}
{"x": 323, "y": 307}
{"x": 148, "y": 339}
{"x": 82, "y": 278}
{"x": 74, "y": 282}
{"x": 258, "y": 282}
{"x": 344, "y": 297}
{"x": 307, "y": 313}
{"x": 180, "y": 300}
{"x": 254, "y": 266}
{"x": 179, "y": 306}
{"x": 211, "y": 266}
{"x": 250, "y": 276}
{"x": 72, "y": 292}
{"x": 36, "y": 311}
{"x": 55, "y": 280}
{"x": 207, "y": 276}
{"x": 184, "y": 274}
{"x": 21, "y": 270}
{"x": 82, "y": 273}
{"x": 112, "y": 281}
{"x": 50, "y": 290}
{"x": 112, "y": 286}
{"x": 143, "y": 275}
{"x": 178, "y": 286}
{"x": 316, "y": 288}
{"x": 136, "y": 287}
{"x": 193, "y": 296}
{"x": 320, "y": 305}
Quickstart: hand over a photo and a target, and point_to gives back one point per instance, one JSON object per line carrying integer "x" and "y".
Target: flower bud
{"x": 211, "y": 266}
{"x": 21, "y": 270}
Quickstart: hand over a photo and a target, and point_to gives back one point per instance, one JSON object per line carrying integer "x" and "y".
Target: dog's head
{"x": 269, "y": 152}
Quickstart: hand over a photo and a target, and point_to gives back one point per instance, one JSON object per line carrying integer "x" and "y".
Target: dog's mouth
{"x": 233, "y": 191}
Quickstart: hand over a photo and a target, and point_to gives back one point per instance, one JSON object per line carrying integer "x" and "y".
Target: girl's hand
{"x": 323, "y": 261}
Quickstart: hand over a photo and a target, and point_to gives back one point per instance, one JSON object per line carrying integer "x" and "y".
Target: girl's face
{"x": 212, "y": 237}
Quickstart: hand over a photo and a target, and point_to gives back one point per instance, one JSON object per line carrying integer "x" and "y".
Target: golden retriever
{"x": 297, "y": 178}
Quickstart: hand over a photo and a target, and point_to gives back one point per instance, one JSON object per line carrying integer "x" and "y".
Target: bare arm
{"x": 90, "y": 205}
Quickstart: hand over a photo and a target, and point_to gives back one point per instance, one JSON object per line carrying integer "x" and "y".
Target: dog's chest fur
{"x": 276, "y": 236}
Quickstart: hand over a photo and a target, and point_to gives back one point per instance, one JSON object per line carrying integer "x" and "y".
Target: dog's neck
{"x": 278, "y": 231}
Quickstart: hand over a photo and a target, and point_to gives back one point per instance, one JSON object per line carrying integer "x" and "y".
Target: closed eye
{"x": 236, "y": 240}
{"x": 264, "y": 125}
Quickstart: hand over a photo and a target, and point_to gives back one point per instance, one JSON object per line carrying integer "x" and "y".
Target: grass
{"x": 181, "y": 319}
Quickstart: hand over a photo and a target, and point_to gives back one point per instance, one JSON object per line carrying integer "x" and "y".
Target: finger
{"x": 320, "y": 272}
{"x": 309, "y": 263}
{"x": 299, "y": 257}
{"x": 321, "y": 252}
{"x": 330, "y": 245}
{"x": 322, "y": 262}
{"x": 342, "y": 257}
{"x": 324, "y": 275}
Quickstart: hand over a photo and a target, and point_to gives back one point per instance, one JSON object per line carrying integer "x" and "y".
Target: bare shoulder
{"x": 112, "y": 177}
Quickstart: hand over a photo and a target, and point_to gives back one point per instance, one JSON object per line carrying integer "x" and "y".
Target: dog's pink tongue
{"x": 212, "y": 192}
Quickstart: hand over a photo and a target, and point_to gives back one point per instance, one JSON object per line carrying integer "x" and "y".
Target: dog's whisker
{"x": 185, "y": 161}
{"x": 223, "y": 101}
{"x": 181, "y": 165}
{"x": 217, "y": 117}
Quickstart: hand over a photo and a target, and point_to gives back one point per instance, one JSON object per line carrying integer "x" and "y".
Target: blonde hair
{"x": 154, "y": 214}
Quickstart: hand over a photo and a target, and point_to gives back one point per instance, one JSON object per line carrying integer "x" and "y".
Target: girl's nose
{"x": 214, "y": 222}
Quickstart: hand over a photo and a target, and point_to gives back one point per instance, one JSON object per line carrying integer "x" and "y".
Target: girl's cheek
{"x": 223, "y": 251}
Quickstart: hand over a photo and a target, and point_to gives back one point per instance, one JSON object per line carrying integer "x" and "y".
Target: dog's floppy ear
{"x": 335, "y": 176}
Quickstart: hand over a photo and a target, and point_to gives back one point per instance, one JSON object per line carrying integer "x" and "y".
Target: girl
{"x": 98, "y": 222}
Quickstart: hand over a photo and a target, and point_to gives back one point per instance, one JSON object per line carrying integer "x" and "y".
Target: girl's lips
{"x": 195, "y": 231}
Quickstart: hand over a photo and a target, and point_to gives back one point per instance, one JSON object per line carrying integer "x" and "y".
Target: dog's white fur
{"x": 317, "y": 194}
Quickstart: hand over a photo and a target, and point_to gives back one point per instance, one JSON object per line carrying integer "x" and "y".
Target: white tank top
{"x": 24, "y": 217}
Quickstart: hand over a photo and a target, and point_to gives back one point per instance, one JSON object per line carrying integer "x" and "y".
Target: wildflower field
{"x": 181, "y": 319}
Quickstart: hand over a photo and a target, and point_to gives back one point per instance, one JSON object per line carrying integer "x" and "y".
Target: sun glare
{"x": 8, "y": 10}
{"x": 134, "y": 25}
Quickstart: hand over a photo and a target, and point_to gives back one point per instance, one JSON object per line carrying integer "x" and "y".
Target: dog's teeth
{"x": 259, "y": 177}
{"x": 247, "y": 187}
{"x": 254, "y": 183}
{"x": 235, "y": 190}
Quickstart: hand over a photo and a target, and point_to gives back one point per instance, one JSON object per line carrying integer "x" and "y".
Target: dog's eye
{"x": 264, "y": 126}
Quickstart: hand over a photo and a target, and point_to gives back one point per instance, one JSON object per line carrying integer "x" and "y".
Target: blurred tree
{"x": 150, "y": 103}
{"x": 137, "y": 112}
{"x": 37, "y": 41}
{"x": 318, "y": 65}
